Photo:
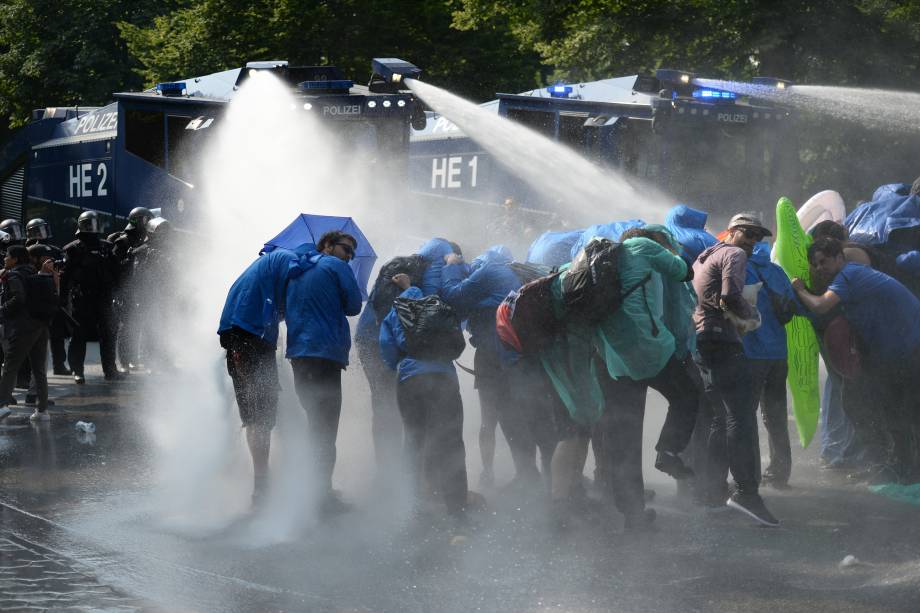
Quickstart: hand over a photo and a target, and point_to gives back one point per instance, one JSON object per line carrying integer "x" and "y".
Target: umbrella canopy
{"x": 305, "y": 231}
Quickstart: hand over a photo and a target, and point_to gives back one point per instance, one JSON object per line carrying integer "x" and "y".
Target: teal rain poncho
{"x": 626, "y": 340}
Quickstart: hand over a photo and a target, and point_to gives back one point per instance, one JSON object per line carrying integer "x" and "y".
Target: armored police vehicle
{"x": 141, "y": 149}
{"x": 709, "y": 148}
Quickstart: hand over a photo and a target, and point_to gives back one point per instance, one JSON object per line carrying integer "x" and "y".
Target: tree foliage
{"x": 870, "y": 42}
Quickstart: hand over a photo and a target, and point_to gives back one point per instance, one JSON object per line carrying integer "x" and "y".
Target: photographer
{"x": 25, "y": 333}
{"x": 38, "y": 232}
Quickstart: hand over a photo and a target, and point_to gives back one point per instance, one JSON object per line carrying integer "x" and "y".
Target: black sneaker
{"x": 62, "y": 370}
{"x": 671, "y": 464}
{"x": 115, "y": 376}
{"x": 752, "y": 505}
{"x": 79, "y": 379}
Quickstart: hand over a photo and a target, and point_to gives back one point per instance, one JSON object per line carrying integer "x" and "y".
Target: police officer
{"x": 152, "y": 262}
{"x": 14, "y": 229}
{"x": 88, "y": 283}
{"x": 125, "y": 242}
{"x": 38, "y": 232}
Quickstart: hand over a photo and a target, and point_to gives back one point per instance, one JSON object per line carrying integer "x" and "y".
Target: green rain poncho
{"x": 625, "y": 340}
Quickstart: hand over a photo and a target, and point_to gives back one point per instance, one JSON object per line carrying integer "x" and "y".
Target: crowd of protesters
{"x": 566, "y": 344}
{"x": 90, "y": 290}
{"x": 565, "y": 352}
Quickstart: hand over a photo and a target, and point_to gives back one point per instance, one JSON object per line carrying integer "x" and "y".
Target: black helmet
{"x": 38, "y": 229}
{"x": 88, "y": 223}
{"x": 13, "y": 228}
{"x": 138, "y": 218}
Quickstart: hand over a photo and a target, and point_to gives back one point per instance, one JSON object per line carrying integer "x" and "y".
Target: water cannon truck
{"x": 142, "y": 148}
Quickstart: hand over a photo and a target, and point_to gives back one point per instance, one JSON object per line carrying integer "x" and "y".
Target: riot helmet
{"x": 138, "y": 219}
{"x": 5, "y": 240}
{"x": 88, "y": 223}
{"x": 13, "y": 228}
{"x": 38, "y": 229}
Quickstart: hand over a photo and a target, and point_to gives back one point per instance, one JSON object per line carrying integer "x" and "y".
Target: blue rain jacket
{"x": 434, "y": 251}
{"x": 612, "y": 230}
{"x": 891, "y": 189}
{"x": 688, "y": 226}
{"x": 553, "y": 248}
{"x": 393, "y": 348}
{"x": 768, "y": 342}
{"x": 476, "y": 295}
{"x": 256, "y": 299}
{"x": 318, "y": 302}
{"x": 878, "y": 222}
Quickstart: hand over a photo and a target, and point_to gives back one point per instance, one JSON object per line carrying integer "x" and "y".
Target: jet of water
{"x": 583, "y": 191}
{"x": 894, "y": 111}
{"x": 270, "y": 161}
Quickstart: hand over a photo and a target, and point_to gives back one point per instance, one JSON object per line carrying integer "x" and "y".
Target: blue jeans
{"x": 838, "y": 438}
{"x": 733, "y": 444}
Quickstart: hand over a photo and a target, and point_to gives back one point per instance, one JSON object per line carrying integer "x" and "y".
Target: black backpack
{"x": 591, "y": 288}
{"x": 41, "y": 300}
{"x": 385, "y": 291}
{"x": 432, "y": 328}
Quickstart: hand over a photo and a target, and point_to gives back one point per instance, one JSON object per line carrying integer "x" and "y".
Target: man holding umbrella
{"x": 319, "y": 340}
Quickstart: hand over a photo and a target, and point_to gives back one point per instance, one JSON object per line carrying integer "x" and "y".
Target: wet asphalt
{"x": 79, "y": 531}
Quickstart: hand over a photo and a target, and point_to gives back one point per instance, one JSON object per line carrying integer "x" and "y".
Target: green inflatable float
{"x": 791, "y": 252}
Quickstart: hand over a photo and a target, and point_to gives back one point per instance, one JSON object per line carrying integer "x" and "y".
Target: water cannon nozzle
{"x": 389, "y": 73}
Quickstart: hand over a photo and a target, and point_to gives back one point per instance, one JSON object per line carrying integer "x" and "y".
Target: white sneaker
{"x": 4, "y": 412}
{"x": 40, "y": 416}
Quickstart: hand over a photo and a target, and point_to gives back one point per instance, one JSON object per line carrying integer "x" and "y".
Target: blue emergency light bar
{"x": 560, "y": 91}
{"x": 713, "y": 95}
{"x": 171, "y": 89}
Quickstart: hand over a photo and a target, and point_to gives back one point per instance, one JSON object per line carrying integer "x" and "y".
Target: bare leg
{"x": 567, "y": 465}
{"x": 259, "y": 440}
{"x": 487, "y": 429}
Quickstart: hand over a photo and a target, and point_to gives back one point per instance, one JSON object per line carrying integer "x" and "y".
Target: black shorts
{"x": 252, "y": 366}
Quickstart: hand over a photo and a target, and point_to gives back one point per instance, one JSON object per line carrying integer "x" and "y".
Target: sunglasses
{"x": 348, "y": 249}
{"x": 752, "y": 234}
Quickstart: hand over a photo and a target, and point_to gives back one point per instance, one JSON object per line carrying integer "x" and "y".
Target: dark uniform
{"x": 125, "y": 299}
{"x": 59, "y": 331}
{"x": 153, "y": 262}
{"x": 87, "y": 284}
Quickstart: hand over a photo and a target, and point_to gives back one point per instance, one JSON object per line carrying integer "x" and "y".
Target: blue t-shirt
{"x": 882, "y": 311}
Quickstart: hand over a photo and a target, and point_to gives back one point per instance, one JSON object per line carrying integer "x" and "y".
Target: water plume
{"x": 271, "y": 160}
{"x": 877, "y": 109}
{"x": 580, "y": 190}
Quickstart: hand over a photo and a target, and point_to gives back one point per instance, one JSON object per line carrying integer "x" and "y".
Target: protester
{"x": 766, "y": 349}
{"x": 249, "y": 332}
{"x": 25, "y": 314}
{"x": 87, "y": 282}
{"x": 428, "y": 395}
{"x": 639, "y": 351}
{"x": 719, "y": 278}
{"x": 386, "y": 426}
{"x": 475, "y": 293}
{"x": 319, "y": 340}
{"x": 883, "y": 314}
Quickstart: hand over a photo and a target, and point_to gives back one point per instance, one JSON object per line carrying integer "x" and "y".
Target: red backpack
{"x": 525, "y": 320}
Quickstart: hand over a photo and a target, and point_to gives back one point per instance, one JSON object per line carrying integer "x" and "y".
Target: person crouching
{"x": 428, "y": 396}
